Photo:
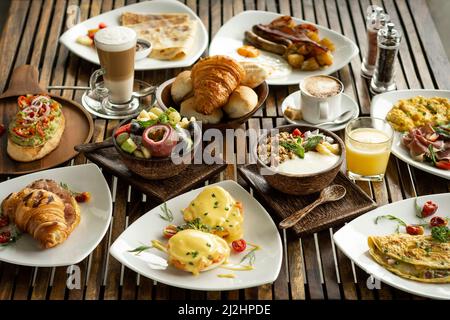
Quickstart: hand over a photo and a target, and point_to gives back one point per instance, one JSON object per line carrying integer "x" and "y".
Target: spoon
{"x": 344, "y": 117}
{"x": 329, "y": 194}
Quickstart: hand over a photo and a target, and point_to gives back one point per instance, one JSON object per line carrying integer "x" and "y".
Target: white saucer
{"x": 348, "y": 104}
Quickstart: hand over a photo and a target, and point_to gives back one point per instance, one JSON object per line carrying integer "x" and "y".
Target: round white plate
{"x": 231, "y": 36}
{"x": 352, "y": 241}
{"x": 258, "y": 228}
{"x": 348, "y": 104}
{"x": 111, "y": 18}
{"x": 382, "y": 104}
{"x": 95, "y": 218}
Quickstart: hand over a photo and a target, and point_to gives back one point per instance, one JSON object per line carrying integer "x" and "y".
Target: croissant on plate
{"x": 214, "y": 79}
{"x": 45, "y": 210}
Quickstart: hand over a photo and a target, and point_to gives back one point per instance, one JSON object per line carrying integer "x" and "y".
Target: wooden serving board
{"x": 161, "y": 190}
{"x": 78, "y": 130}
{"x": 355, "y": 202}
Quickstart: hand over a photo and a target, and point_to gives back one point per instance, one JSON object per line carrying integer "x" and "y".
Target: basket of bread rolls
{"x": 218, "y": 91}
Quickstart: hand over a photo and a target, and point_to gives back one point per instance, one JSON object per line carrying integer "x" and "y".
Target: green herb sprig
{"x": 312, "y": 142}
{"x": 166, "y": 213}
{"x": 140, "y": 249}
{"x": 441, "y": 234}
{"x": 296, "y": 148}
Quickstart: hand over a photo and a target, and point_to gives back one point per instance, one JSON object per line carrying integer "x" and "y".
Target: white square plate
{"x": 383, "y": 103}
{"x": 352, "y": 240}
{"x": 231, "y": 36}
{"x": 111, "y": 18}
{"x": 95, "y": 218}
{"x": 258, "y": 228}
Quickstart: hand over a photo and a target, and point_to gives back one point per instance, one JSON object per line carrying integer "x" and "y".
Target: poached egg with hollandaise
{"x": 196, "y": 251}
{"x": 216, "y": 208}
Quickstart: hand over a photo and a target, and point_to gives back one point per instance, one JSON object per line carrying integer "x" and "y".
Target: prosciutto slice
{"x": 419, "y": 140}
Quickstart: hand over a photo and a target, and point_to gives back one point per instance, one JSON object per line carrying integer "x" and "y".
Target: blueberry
{"x": 135, "y": 128}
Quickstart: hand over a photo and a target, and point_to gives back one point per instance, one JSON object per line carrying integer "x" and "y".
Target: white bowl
{"x": 142, "y": 54}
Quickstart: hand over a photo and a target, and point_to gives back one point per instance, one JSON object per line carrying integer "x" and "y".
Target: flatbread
{"x": 28, "y": 154}
{"x": 418, "y": 258}
{"x": 171, "y": 35}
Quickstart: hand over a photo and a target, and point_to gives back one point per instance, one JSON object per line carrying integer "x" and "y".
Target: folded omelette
{"x": 171, "y": 34}
{"x": 418, "y": 258}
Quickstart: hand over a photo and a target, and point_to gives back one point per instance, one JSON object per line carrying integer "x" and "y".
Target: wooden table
{"x": 313, "y": 267}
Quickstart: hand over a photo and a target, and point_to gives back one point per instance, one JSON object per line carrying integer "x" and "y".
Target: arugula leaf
{"x": 432, "y": 154}
{"x": 443, "y": 131}
{"x": 391, "y": 217}
{"x": 441, "y": 234}
{"x": 147, "y": 123}
{"x": 312, "y": 142}
{"x": 296, "y": 148}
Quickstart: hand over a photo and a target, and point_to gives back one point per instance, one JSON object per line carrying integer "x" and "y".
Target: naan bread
{"x": 171, "y": 34}
{"x": 418, "y": 258}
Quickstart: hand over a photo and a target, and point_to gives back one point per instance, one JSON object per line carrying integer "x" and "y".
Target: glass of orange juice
{"x": 368, "y": 144}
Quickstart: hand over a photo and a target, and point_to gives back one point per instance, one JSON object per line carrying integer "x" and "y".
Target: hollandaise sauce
{"x": 195, "y": 251}
{"x": 217, "y": 209}
{"x": 227, "y": 275}
{"x": 159, "y": 245}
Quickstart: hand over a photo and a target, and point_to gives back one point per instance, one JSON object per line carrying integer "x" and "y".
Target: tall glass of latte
{"x": 116, "y": 48}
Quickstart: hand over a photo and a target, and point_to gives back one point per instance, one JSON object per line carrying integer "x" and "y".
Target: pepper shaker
{"x": 375, "y": 20}
{"x": 388, "y": 44}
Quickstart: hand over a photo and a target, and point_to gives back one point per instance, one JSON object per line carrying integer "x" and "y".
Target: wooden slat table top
{"x": 313, "y": 268}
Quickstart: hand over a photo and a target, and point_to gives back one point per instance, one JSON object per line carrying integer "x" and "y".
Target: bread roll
{"x": 181, "y": 87}
{"x": 242, "y": 101}
{"x": 255, "y": 74}
{"x": 188, "y": 110}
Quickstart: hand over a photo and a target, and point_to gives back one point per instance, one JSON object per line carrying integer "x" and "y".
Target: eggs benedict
{"x": 196, "y": 251}
{"x": 216, "y": 208}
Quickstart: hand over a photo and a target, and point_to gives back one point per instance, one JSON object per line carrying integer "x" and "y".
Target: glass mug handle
{"x": 98, "y": 90}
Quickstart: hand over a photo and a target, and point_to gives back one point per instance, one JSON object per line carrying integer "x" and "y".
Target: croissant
{"x": 214, "y": 79}
{"x": 48, "y": 213}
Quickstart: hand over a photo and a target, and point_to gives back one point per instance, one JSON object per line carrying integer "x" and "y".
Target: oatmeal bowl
{"x": 299, "y": 160}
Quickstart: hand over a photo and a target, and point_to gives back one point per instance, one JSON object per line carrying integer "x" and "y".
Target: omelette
{"x": 418, "y": 258}
{"x": 171, "y": 34}
{"x": 418, "y": 111}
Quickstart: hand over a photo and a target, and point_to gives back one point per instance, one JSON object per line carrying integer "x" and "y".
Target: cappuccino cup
{"x": 116, "y": 48}
{"x": 321, "y": 98}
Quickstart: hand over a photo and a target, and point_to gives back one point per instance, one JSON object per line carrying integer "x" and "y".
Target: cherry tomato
{"x": 170, "y": 231}
{"x": 438, "y": 222}
{"x": 102, "y": 25}
{"x": 4, "y": 221}
{"x": 122, "y": 129}
{"x": 414, "y": 230}
{"x": 444, "y": 165}
{"x": 83, "y": 197}
{"x": 429, "y": 208}
{"x": 296, "y": 133}
{"x": 2, "y": 129}
{"x": 5, "y": 237}
{"x": 239, "y": 245}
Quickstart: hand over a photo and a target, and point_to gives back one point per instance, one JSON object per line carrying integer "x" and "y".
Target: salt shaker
{"x": 375, "y": 20}
{"x": 388, "y": 43}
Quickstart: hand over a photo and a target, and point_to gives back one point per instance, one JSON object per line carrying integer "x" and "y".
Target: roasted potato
{"x": 295, "y": 60}
{"x": 310, "y": 64}
{"x": 314, "y": 36}
{"x": 325, "y": 59}
{"x": 327, "y": 43}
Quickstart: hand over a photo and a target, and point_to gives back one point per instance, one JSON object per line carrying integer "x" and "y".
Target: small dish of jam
{"x": 143, "y": 49}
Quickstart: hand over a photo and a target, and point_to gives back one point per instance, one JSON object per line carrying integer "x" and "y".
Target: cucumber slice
{"x": 128, "y": 146}
{"x": 121, "y": 138}
{"x": 138, "y": 154}
{"x": 146, "y": 152}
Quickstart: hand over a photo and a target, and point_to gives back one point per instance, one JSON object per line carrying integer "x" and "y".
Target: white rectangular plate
{"x": 352, "y": 240}
{"x": 111, "y": 18}
{"x": 258, "y": 228}
{"x": 379, "y": 108}
{"x": 95, "y": 218}
{"x": 231, "y": 36}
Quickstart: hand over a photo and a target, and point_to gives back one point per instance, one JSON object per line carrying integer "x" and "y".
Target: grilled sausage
{"x": 264, "y": 44}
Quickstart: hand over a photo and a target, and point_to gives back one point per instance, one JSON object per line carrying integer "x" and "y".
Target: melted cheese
{"x": 215, "y": 207}
{"x": 195, "y": 251}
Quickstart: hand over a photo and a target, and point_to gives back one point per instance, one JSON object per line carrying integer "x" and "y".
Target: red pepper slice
{"x": 444, "y": 165}
{"x": 23, "y": 101}
{"x": 438, "y": 222}
{"x": 429, "y": 208}
{"x": 122, "y": 129}
{"x": 39, "y": 130}
{"x": 102, "y": 25}
{"x": 296, "y": 133}
{"x": 414, "y": 230}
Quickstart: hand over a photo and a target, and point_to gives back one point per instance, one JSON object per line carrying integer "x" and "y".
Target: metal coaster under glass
{"x": 96, "y": 102}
